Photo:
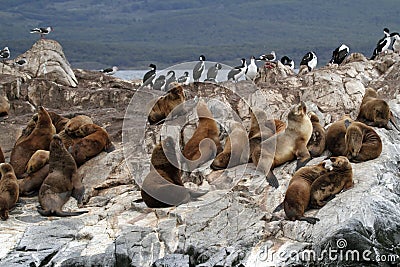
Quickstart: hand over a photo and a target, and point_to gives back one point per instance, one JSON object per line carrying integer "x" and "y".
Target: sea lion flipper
{"x": 196, "y": 194}
{"x": 67, "y": 214}
{"x": 302, "y": 162}
{"x": 272, "y": 180}
{"x": 311, "y": 220}
{"x": 278, "y": 208}
{"x": 392, "y": 120}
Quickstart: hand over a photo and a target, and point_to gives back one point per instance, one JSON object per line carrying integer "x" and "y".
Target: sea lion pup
{"x": 297, "y": 197}
{"x": 290, "y": 144}
{"x": 37, "y": 161}
{"x": 375, "y": 111}
{"x": 95, "y": 139}
{"x": 165, "y": 104}
{"x": 362, "y": 142}
{"x": 163, "y": 186}
{"x": 335, "y": 134}
{"x": 61, "y": 183}
{"x": 236, "y": 150}
{"x": 316, "y": 145}
{"x": 58, "y": 121}
{"x": 9, "y": 191}
{"x": 338, "y": 178}
{"x": 204, "y": 144}
{"x": 2, "y": 159}
{"x": 31, "y": 184}
{"x": 75, "y": 123}
{"x": 28, "y": 143}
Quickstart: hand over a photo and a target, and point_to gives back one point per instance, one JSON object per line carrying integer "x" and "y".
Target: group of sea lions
{"x": 270, "y": 143}
{"x": 45, "y": 159}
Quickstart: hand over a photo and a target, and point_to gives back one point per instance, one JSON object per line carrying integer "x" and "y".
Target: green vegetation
{"x": 131, "y": 34}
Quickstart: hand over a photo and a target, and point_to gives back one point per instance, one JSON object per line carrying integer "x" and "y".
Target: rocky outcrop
{"x": 233, "y": 224}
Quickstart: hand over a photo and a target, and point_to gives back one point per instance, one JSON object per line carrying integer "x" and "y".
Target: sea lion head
{"x": 164, "y": 153}
{"x": 56, "y": 143}
{"x": 370, "y": 92}
{"x": 353, "y": 140}
{"x": 297, "y": 112}
{"x": 313, "y": 117}
{"x": 5, "y": 168}
{"x": 340, "y": 162}
{"x": 221, "y": 161}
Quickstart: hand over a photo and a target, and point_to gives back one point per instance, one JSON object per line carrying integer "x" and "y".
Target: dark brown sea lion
{"x": 31, "y": 184}
{"x": 317, "y": 143}
{"x": 297, "y": 197}
{"x": 375, "y": 111}
{"x": 95, "y": 140}
{"x": 286, "y": 146}
{"x": 9, "y": 192}
{"x": 163, "y": 186}
{"x": 338, "y": 178}
{"x": 335, "y": 134}
{"x": 204, "y": 144}
{"x": 58, "y": 121}
{"x": 165, "y": 104}
{"x": 61, "y": 183}
{"x": 32, "y": 139}
{"x": 362, "y": 142}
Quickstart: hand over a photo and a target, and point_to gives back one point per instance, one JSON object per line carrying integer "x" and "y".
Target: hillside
{"x": 131, "y": 34}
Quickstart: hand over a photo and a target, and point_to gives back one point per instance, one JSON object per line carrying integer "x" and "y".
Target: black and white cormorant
{"x": 252, "y": 69}
{"x": 237, "y": 72}
{"x": 159, "y": 83}
{"x": 42, "y": 31}
{"x": 21, "y": 62}
{"x": 5, "y": 53}
{"x": 339, "y": 54}
{"x": 310, "y": 60}
{"x": 396, "y": 42}
{"x": 148, "y": 78}
{"x": 199, "y": 68}
{"x": 170, "y": 78}
{"x": 383, "y": 44}
{"x": 184, "y": 79}
{"x": 287, "y": 61}
{"x": 212, "y": 72}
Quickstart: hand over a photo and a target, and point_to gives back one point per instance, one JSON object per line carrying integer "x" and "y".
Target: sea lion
{"x": 9, "y": 191}
{"x": 335, "y": 134}
{"x": 2, "y": 159}
{"x": 37, "y": 161}
{"x": 236, "y": 150}
{"x": 31, "y": 184}
{"x": 163, "y": 186}
{"x": 165, "y": 104}
{"x": 68, "y": 140}
{"x": 95, "y": 139}
{"x": 61, "y": 183}
{"x": 297, "y": 196}
{"x": 32, "y": 140}
{"x": 58, "y": 121}
{"x": 316, "y": 145}
{"x": 75, "y": 123}
{"x": 204, "y": 144}
{"x": 375, "y": 111}
{"x": 286, "y": 146}
{"x": 338, "y": 178}
{"x": 362, "y": 142}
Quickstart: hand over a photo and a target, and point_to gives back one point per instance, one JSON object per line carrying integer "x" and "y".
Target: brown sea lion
{"x": 9, "y": 192}
{"x": 31, "y": 184}
{"x": 362, "y": 142}
{"x": 286, "y": 146}
{"x": 95, "y": 139}
{"x": 37, "y": 161}
{"x": 31, "y": 141}
{"x": 61, "y": 183}
{"x": 316, "y": 145}
{"x": 75, "y": 123}
{"x": 297, "y": 196}
{"x": 163, "y": 186}
{"x": 335, "y": 134}
{"x": 68, "y": 140}
{"x": 375, "y": 111}
{"x": 58, "y": 121}
{"x": 2, "y": 159}
{"x": 204, "y": 144}
{"x": 236, "y": 150}
{"x": 165, "y": 104}
{"x": 338, "y": 178}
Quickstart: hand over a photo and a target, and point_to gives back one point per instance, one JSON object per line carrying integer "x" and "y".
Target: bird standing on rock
{"x": 42, "y": 31}
{"x": 339, "y": 54}
{"x": 170, "y": 79}
{"x": 149, "y": 76}
{"x": 383, "y": 44}
{"x": 22, "y": 62}
{"x": 5, "y": 53}
{"x": 310, "y": 60}
{"x": 396, "y": 42}
{"x": 199, "y": 68}
{"x": 268, "y": 58}
{"x": 213, "y": 72}
{"x": 286, "y": 61}
{"x": 237, "y": 72}
{"x": 184, "y": 79}
{"x": 252, "y": 69}
{"x": 110, "y": 71}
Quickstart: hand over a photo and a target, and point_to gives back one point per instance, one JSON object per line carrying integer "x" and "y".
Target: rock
{"x": 231, "y": 225}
